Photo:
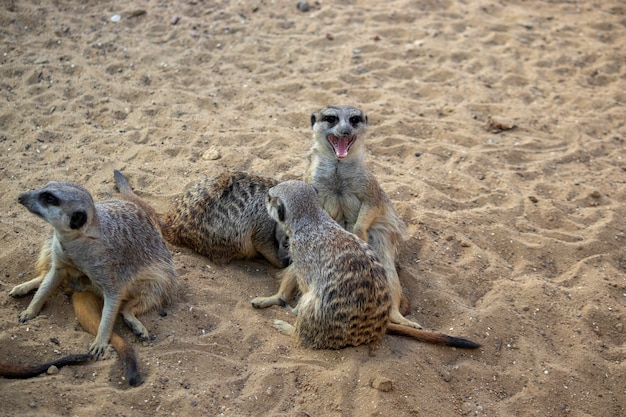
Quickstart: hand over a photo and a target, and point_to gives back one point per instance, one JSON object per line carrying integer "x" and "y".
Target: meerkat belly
{"x": 342, "y": 207}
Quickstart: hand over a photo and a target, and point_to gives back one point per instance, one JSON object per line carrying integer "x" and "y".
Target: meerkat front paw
{"x": 136, "y": 326}
{"x": 27, "y": 315}
{"x": 22, "y": 289}
{"x": 284, "y": 327}
{"x": 97, "y": 349}
{"x": 264, "y": 302}
{"x": 397, "y": 318}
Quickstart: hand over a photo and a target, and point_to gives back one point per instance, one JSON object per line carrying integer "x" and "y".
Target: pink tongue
{"x": 341, "y": 147}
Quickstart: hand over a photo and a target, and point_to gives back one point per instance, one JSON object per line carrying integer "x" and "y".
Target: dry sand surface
{"x": 516, "y": 237}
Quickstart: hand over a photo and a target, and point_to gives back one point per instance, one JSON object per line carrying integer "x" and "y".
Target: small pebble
{"x": 303, "y": 6}
{"x": 497, "y": 124}
{"x": 382, "y": 384}
{"x": 116, "y": 18}
{"x": 211, "y": 154}
{"x": 595, "y": 194}
{"x": 53, "y": 370}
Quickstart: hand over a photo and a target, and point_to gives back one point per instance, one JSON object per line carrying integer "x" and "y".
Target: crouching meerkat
{"x": 221, "y": 217}
{"x": 345, "y": 299}
{"x": 114, "y": 243}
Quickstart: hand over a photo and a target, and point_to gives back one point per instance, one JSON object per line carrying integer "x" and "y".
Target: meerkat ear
{"x": 78, "y": 220}
{"x": 312, "y": 119}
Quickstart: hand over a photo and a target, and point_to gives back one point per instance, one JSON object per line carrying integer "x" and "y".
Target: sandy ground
{"x": 516, "y": 237}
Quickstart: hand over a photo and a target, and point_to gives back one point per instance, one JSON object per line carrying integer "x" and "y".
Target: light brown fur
{"x": 221, "y": 217}
{"x": 114, "y": 243}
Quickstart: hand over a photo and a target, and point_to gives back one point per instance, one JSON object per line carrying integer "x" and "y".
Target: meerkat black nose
{"x": 345, "y": 131}
{"x": 21, "y": 198}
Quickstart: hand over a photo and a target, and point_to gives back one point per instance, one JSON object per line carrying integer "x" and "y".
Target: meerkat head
{"x": 291, "y": 202}
{"x": 340, "y": 127}
{"x": 68, "y": 207}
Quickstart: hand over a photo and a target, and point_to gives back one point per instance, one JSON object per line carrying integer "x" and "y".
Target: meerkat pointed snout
{"x": 71, "y": 213}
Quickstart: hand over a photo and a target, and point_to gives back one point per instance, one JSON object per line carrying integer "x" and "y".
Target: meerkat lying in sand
{"x": 346, "y": 299}
{"x": 222, "y": 218}
{"x": 114, "y": 243}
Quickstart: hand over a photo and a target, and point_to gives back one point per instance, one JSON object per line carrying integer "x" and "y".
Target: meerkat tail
{"x": 88, "y": 310}
{"x": 428, "y": 336}
{"x": 127, "y": 192}
{"x": 23, "y": 372}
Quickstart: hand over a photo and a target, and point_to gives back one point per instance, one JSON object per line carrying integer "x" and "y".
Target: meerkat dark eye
{"x": 329, "y": 118}
{"x": 355, "y": 120}
{"x": 48, "y": 199}
{"x": 280, "y": 211}
{"x": 79, "y": 218}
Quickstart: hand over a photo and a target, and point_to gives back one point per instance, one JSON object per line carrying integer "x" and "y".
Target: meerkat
{"x": 351, "y": 195}
{"x": 221, "y": 217}
{"x": 88, "y": 310}
{"x": 114, "y": 243}
{"x": 346, "y": 300}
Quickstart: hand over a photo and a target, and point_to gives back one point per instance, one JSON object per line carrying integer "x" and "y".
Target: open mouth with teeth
{"x": 341, "y": 144}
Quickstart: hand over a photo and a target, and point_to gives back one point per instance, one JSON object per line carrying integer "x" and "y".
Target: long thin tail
{"x": 127, "y": 192}
{"x": 428, "y": 336}
{"x": 23, "y": 372}
{"x": 88, "y": 310}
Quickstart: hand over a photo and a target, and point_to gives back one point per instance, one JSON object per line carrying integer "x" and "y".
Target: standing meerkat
{"x": 351, "y": 195}
{"x": 114, "y": 243}
{"x": 346, "y": 299}
{"x": 222, "y": 217}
